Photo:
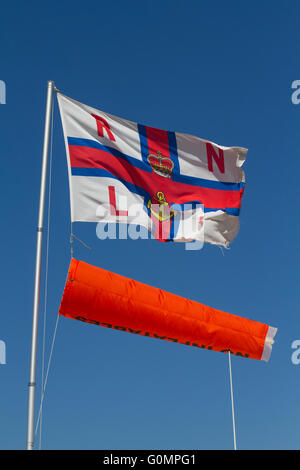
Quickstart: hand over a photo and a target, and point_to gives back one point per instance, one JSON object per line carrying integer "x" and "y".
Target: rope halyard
{"x": 232, "y": 402}
{"x": 71, "y": 242}
{"x": 78, "y": 239}
{"x": 72, "y": 236}
{"x": 46, "y": 377}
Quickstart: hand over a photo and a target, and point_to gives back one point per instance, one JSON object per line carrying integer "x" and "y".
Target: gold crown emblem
{"x": 162, "y": 166}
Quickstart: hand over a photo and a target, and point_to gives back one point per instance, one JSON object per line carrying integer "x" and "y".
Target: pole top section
{"x": 51, "y": 84}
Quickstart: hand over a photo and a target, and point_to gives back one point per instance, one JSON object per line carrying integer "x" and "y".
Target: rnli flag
{"x": 178, "y": 186}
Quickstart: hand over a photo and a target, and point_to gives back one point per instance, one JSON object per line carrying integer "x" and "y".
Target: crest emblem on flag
{"x": 162, "y": 166}
{"x": 158, "y": 205}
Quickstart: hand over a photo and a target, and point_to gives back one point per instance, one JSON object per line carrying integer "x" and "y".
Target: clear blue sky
{"x": 218, "y": 70}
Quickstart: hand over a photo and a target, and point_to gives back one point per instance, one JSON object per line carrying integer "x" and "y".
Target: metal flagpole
{"x": 38, "y": 262}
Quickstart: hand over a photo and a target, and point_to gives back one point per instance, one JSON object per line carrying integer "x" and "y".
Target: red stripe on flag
{"x": 175, "y": 192}
{"x": 157, "y": 141}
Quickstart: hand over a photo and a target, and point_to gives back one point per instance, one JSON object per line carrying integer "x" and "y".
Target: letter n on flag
{"x": 178, "y": 186}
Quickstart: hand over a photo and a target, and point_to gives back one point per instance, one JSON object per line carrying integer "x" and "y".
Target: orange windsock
{"x": 103, "y": 298}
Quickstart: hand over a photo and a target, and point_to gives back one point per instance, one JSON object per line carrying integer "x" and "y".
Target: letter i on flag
{"x": 179, "y": 187}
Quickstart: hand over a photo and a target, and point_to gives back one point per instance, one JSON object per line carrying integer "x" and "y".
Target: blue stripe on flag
{"x": 100, "y": 172}
{"x": 144, "y": 143}
{"x": 179, "y": 178}
{"x": 116, "y": 153}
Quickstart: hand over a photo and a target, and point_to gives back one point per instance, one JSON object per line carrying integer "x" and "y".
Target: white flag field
{"x": 177, "y": 186}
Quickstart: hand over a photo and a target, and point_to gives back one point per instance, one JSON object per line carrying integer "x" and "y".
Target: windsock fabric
{"x": 100, "y": 297}
{"x": 178, "y": 186}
